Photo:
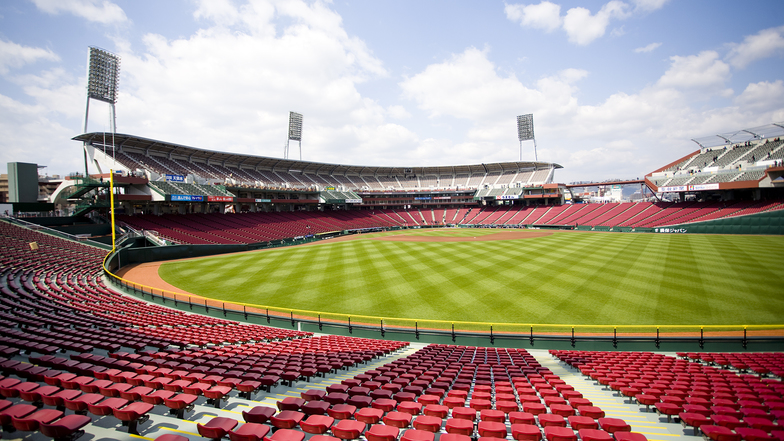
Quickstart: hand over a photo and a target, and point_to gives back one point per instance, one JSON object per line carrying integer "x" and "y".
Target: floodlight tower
{"x": 525, "y": 131}
{"x": 295, "y": 133}
{"x": 103, "y": 81}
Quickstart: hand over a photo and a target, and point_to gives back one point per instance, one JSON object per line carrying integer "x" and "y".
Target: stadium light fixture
{"x": 103, "y": 78}
{"x": 295, "y": 133}
{"x": 103, "y": 81}
{"x": 525, "y": 131}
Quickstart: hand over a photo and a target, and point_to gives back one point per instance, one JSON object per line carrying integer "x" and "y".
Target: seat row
{"x": 50, "y": 422}
{"x": 375, "y": 424}
{"x": 722, "y": 403}
{"x": 760, "y": 363}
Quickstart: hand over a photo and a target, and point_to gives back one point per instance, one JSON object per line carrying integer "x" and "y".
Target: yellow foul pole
{"x": 111, "y": 201}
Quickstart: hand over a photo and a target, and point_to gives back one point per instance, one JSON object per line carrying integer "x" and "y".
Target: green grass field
{"x": 565, "y": 278}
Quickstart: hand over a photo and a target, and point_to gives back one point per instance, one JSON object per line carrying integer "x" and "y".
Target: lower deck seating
{"x": 261, "y": 227}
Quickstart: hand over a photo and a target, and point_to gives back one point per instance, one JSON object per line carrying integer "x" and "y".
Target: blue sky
{"x": 617, "y": 88}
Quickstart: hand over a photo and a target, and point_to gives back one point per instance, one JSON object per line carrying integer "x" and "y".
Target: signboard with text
{"x": 186, "y": 198}
{"x": 701, "y": 187}
{"x": 220, "y": 199}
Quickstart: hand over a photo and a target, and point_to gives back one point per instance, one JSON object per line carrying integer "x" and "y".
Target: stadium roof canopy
{"x": 740, "y": 136}
{"x": 167, "y": 149}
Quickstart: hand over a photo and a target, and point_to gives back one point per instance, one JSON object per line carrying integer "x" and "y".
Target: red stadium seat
{"x": 68, "y": 427}
{"x": 216, "y": 428}
{"x": 380, "y": 432}
{"x": 249, "y": 432}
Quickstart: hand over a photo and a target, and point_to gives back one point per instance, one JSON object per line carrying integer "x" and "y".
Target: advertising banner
{"x": 175, "y": 178}
{"x": 674, "y": 189}
{"x": 353, "y": 201}
{"x": 508, "y": 196}
{"x": 263, "y": 200}
{"x": 671, "y": 230}
{"x": 701, "y": 187}
{"x": 186, "y": 198}
{"x": 220, "y": 199}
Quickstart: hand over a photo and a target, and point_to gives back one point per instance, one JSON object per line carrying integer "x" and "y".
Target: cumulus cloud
{"x": 764, "y": 44}
{"x": 762, "y": 96}
{"x": 545, "y": 15}
{"x": 581, "y": 26}
{"x": 14, "y": 56}
{"x": 704, "y": 71}
{"x": 469, "y": 86}
{"x": 104, "y": 12}
{"x": 45, "y": 138}
{"x": 649, "y": 5}
{"x": 649, "y": 48}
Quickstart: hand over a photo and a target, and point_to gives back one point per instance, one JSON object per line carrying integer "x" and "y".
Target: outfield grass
{"x": 565, "y": 278}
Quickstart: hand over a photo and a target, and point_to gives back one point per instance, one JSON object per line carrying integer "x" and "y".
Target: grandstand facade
{"x": 745, "y": 167}
{"x": 176, "y": 173}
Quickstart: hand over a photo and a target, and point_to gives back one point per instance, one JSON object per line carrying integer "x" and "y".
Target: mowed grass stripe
{"x": 564, "y": 278}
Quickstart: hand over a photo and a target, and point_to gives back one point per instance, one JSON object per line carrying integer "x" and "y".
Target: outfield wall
{"x": 762, "y": 223}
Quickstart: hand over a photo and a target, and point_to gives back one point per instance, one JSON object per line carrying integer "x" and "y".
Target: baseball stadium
{"x": 192, "y": 293}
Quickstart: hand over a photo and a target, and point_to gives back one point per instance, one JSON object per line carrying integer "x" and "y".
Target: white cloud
{"x": 545, "y": 15}
{"x": 762, "y": 96}
{"x": 54, "y": 89}
{"x": 43, "y": 127}
{"x": 764, "y": 44}
{"x": 649, "y": 48}
{"x": 44, "y": 139}
{"x": 99, "y": 11}
{"x": 703, "y": 71}
{"x": 398, "y": 112}
{"x": 649, "y": 5}
{"x": 582, "y": 27}
{"x": 618, "y": 32}
{"x": 221, "y": 12}
{"x": 466, "y": 86}
{"x": 572, "y": 75}
{"x": 14, "y": 56}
